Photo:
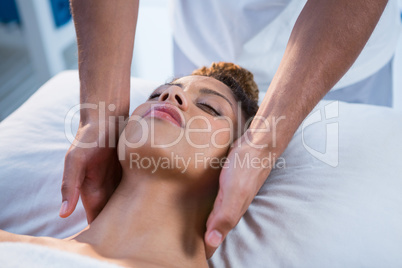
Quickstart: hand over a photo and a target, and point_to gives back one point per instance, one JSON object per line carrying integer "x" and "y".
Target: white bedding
{"x": 343, "y": 213}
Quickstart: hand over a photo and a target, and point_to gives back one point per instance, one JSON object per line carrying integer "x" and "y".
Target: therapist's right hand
{"x": 93, "y": 173}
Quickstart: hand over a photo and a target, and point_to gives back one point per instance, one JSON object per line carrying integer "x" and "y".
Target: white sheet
{"x": 309, "y": 214}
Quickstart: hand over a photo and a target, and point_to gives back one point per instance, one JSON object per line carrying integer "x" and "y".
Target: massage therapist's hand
{"x": 105, "y": 37}
{"x": 93, "y": 173}
{"x": 237, "y": 188}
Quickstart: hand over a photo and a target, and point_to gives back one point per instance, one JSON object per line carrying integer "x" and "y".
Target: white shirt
{"x": 254, "y": 34}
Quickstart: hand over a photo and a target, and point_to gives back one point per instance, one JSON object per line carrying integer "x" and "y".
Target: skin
{"x": 157, "y": 219}
{"x": 105, "y": 46}
{"x": 325, "y": 41}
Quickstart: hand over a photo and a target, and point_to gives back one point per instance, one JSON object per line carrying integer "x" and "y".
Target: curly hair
{"x": 239, "y": 80}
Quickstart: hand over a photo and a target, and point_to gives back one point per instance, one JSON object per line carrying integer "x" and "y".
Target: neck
{"x": 150, "y": 218}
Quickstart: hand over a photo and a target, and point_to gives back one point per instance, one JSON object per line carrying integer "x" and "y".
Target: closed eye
{"x": 203, "y": 106}
{"x": 154, "y": 95}
{"x": 208, "y": 108}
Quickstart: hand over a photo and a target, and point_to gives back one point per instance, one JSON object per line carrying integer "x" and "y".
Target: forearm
{"x": 325, "y": 41}
{"x": 105, "y": 34}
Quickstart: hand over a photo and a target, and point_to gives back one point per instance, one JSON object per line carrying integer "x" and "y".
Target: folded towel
{"x": 15, "y": 255}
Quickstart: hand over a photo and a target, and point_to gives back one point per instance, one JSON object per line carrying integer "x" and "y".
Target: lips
{"x": 166, "y": 112}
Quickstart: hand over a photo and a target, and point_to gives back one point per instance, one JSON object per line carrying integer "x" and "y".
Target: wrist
{"x": 282, "y": 111}
{"x": 268, "y": 135}
{"x": 106, "y": 126}
{"x": 96, "y": 113}
{"x": 258, "y": 160}
{"x": 99, "y": 102}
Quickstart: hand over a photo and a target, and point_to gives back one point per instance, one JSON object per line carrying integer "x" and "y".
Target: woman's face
{"x": 185, "y": 127}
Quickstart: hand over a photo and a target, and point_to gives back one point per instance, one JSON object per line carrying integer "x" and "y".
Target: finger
{"x": 223, "y": 218}
{"x": 94, "y": 211}
{"x": 73, "y": 176}
{"x": 95, "y": 193}
{"x": 94, "y": 199}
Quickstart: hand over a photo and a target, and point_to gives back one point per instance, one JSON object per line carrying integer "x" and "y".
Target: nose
{"x": 175, "y": 95}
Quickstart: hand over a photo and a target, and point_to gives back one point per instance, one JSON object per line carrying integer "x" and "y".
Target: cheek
{"x": 222, "y": 138}
{"x": 222, "y": 134}
{"x": 215, "y": 134}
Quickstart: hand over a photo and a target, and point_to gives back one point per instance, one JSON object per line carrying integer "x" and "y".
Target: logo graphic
{"x": 331, "y": 154}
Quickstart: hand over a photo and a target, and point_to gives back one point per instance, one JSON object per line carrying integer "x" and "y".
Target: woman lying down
{"x": 157, "y": 215}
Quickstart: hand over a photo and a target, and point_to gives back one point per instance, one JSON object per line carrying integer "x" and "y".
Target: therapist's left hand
{"x": 238, "y": 185}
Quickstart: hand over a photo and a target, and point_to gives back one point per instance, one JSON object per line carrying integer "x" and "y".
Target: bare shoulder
{"x": 44, "y": 241}
{"x": 66, "y": 245}
{"x": 54, "y": 243}
{"x": 10, "y": 237}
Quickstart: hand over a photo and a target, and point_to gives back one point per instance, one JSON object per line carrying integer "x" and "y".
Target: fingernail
{"x": 63, "y": 208}
{"x": 215, "y": 238}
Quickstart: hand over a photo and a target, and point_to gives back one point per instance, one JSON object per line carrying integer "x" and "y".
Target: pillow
{"x": 332, "y": 199}
{"x": 33, "y": 143}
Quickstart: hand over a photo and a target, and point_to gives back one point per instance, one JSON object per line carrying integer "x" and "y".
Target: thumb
{"x": 73, "y": 175}
{"x": 223, "y": 218}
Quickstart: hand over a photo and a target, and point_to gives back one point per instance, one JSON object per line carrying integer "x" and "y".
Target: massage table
{"x": 335, "y": 201}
